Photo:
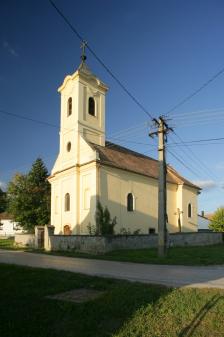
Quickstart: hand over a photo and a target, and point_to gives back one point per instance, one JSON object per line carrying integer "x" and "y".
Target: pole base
{"x": 162, "y": 251}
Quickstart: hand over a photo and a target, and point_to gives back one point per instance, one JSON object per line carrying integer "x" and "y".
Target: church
{"x": 89, "y": 169}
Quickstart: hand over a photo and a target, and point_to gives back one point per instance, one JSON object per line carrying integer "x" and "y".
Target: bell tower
{"x": 73, "y": 177}
{"x": 82, "y": 114}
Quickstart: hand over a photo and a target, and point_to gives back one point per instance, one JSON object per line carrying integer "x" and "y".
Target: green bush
{"x": 104, "y": 224}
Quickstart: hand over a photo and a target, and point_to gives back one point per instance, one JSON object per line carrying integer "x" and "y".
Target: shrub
{"x": 104, "y": 223}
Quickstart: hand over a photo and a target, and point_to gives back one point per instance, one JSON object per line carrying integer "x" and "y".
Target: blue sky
{"x": 161, "y": 50}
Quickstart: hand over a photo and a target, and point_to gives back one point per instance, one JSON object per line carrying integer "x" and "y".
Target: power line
{"x": 201, "y": 117}
{"x": 128, "y": 130}
{"x": 194, "y": 93}
{"x": 133, "y": 142}
{"x": 117, "y": 80}
{"x": 196, "y": 159}
{"x": 195, "y": 168}
{"x": 197, "y": 141}
{"x": 81, "y": 38}
{"x": 198, "y": 112}
{"x": 28, "y": 118}
{"x": 187, "y": 167}
{"x": 197, "y": 144}
{"x": 192, "y": 124}
{"x": 199, "y": 121}
{"x": 37, "y": 121}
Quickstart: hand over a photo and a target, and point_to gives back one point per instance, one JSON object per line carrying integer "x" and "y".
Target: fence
{"x": 24, "y": 240}
{"x": 44, "y": 238}
{"x": 103, "y": 244}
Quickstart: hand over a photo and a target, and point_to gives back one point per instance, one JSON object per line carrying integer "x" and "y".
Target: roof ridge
{"x": 173, "y": 174}
{"x": 128, "y": 150}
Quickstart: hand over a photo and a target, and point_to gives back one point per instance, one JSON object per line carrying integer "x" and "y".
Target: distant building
{"x": 203, "y": 222}
{"x": 88, "y": 169}
{"x": 8, "y": 226}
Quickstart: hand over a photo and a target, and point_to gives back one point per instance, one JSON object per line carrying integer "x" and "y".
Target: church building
{"x": 89, "y": 169}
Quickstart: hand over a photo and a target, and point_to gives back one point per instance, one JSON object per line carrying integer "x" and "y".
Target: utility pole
{"x": 162, "y": 130}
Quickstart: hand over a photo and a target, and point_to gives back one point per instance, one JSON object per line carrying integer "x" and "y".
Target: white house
{"x": 203, "y": 223}
{"x": 8, "y": 226}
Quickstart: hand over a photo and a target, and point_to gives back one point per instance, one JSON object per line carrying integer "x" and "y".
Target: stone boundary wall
{"x": 195, "y": 239}
{"x": 25, "y": 240}
{"x": 103, "y": 244}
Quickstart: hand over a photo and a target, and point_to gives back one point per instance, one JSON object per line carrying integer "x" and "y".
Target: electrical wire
{"x": 109, "y": 71}
{"x": 197, "y": 112}
{"x": 187, "y": 167}
{"x": 194, "y": 93}
{"x": 196, "y": 141}
{"x": 195, "y": 159}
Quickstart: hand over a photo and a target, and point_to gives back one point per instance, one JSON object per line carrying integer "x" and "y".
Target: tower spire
{"x": 83, "y": 47}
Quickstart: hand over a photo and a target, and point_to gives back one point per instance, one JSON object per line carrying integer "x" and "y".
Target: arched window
{"x": 69, "y": 106}
{"x": 67, "y": 202}
{"x": 189, "y": 211}
{"x": 130, "y": 202}
{"x": 91, "y": 106}
{"x": 67, "y": 230}
{"x": 69, "y": 146}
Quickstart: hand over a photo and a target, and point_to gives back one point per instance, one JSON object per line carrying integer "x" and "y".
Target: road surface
{"x": 168, "y": 275}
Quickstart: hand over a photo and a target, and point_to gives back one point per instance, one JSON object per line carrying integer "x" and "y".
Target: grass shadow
{"x": 26, "y": 311}
{"x": 189, "y": 330}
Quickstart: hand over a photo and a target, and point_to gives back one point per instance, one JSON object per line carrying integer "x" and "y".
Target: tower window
{"x": 130, "y": 202}
{"x": 69, "y": 106}
{"x": 91, "y": 106}
{"x": 189, "y": 211}
{"x": 69, "y": 146}
{"x": 67, "y": 202}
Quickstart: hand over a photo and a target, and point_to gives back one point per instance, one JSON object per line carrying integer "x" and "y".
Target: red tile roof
{"x": 5, "y": 216}
{"x": 120, "y": 157}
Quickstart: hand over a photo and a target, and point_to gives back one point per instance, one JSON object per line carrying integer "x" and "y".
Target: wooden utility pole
{"x": 162, "y": 131}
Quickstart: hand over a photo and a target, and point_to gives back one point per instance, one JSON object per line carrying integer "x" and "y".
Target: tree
{"x": 217, "y": 221}
{"x": 3, "y": 201}
{"x": 104, "y": 223}
{"x": 29, "y": 197}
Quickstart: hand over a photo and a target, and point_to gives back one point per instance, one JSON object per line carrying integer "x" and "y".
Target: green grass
{"x": 192, "y": 256}
{"x": 7, "y": 243}
{"x": 125, "y": 310}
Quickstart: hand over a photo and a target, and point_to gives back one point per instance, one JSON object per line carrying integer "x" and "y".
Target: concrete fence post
{"x": 48, "y": 232}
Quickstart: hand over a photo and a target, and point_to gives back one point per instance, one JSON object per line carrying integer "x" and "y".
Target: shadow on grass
{"x": 189, "y": 330}
{"x": 25, "y": 310}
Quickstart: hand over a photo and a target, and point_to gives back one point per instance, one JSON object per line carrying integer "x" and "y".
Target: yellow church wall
{"x": 87, "y": 196}
{"x": 65, "y": 182}
{"x": 81, "y": 184}
{"x": 115, "y": 184}
{"x": 172, "y": 225}
{"x": 189, "y": 195}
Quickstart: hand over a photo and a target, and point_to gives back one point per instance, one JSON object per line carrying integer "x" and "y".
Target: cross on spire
{"x": 83, "y": 47}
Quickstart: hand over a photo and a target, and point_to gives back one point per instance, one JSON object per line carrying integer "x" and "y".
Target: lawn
{"x": 124, "y": 310}
{"x": 7, "y": 243}
{"x": 191, "y": 256}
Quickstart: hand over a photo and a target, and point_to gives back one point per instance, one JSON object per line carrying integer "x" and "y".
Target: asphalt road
{"x": 169, "y": 275}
